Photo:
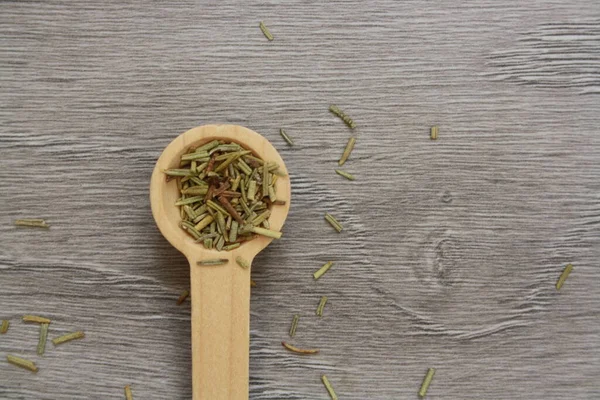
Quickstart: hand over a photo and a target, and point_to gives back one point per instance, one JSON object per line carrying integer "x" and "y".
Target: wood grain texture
{"x": 451, "y": 248}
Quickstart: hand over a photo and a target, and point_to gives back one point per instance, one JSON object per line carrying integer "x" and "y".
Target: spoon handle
{"x": 220, "y": 298}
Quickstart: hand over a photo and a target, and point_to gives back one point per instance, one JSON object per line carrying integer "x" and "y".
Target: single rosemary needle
{"x": 321, "y": 306}
{"x": 329, "y": 388}
{"x": 346, "y": 175}
{"x": 347, "y": 120}
{"x": 333, "y": 222}
{"x": 43, "y": 338}
{"x": 68, "y": 337}
{"x": 322, "y": 270}
{"x": 266, "y": 232}
{"x": 215, "y": 261}
{"x": 298, "y": 350}
{"x": 265, "y": 31}
{"x": 242, "y": 262}
{"x": 184, "y": 295}
{"x": 426, "y": 382}
{"x": 4, "y": 326}
{"x": 35, "y": 318}
{"x": 563, "y": 276}
{"x": 434, "y": 132}
{"x": 294, "y": 325}
{"x": 21, "y": 362}
{"x": 32, "y": 222}
{"x": 347, "y": 151}
{"x": 128, "y": 394}
{"x": 285, "y": 137}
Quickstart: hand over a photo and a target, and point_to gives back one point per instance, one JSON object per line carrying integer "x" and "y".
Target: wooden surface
{"x": 451, "y": 248}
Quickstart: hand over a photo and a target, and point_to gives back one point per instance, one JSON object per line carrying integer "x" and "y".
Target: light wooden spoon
{"x": 220, "y": 295}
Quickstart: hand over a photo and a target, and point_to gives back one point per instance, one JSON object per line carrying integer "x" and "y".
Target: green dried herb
{"x": 4, "y": 326}
{"x": 333, "y": 222}
{"x": 426, "y": 382}
{"x": 285, "y": 137}
{"x": 298, "y": 350}
{"x": 345, "y": 174}
{"x": 68, "y": 337}
{"x": 184, "y": 295}
{"x": 265, "y": 31}
{"x": 128, "y": 394}
{"x": 36, "y": 319}
{"x": 434, "y": 132}
{"x": 347, "y": 120}
{"x": 266, "y": 232}
{"x": 294, "y": 325}
{"x": 321, "y": 306}
{"x": 21, "y": 362}
{"x": 32, "y": 222}
{"x": 214, "y": 261}
{"x": 322, "y": 270}
{"x": 347, "y": 151}
{"x": 329, "y": 388}
{"x": 43, "y": 338}
{"x": 242, "y": 262}
{"x": 563, "y": 276}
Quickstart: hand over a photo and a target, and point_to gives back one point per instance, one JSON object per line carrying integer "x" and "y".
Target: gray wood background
{"x": 452, "y": 248}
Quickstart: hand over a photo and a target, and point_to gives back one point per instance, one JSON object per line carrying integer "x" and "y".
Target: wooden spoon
{"x": 220, "y": 295}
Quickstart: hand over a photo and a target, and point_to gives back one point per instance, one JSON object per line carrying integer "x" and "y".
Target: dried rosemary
{"x": 265, "y": 31}
{"x": 4, "y": 326}
{"x": 43, "y": 338}
{"x": 184, "y": 295}
{"x": 214, "y": 261}
{"x": 298, "y": 350}
{"x": 329, "y": 387}
{"x": 347, "y": 120}
{"x": 347, "y": 151}
{"x": 128, "y": 394}
{"x": 68, "y": 337}
{"x": 21, "y": 362}
{"x": 285, "y": 137}
{"x": 322, "y": 270}
{"x": 333, "y": 222}
{"x": 434, "y": 132}
{"x": 32, "y": 222}
{"x": 226, "y": 194}
{"x": 426, "y": 382}
{"x": 36, "y": 319}
{"x": 563, "y": 277}
{"x": 294, "y": 325}
{"x": 321, "y": 306}
{"x": 346, "y": 175}
{"x": 242, "y": 262}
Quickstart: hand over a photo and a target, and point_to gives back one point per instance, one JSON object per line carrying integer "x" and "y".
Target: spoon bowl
{"x": 220, "y": 295}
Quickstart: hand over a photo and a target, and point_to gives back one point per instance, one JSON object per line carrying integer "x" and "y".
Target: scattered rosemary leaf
{"x": 214, "y": 261}
{"x": 32, "y": 222}
{"x": 563, "y": 276}
{"x": 252, "y": 283}
{"x": 21, "y": 362}
{"x": 426, "y": 382}
{"x": 434, "y": 132}
{"x": 265, "y": 31}
{"x": 5, "y": 325}
{"x": 286, "y": 137}
{"x": 322, "y": 270}
{"x": 329, "y": 388}
{"x": 347, "y": 151}
{"x": 347, "y": 120}
{"x": 298, "y": 350}
{"x": 333, "y": 222}
{"x": 242, "y": 262}
{"x": 184, "y": 295}
{"x": 35, "y": 318}
{"x": 68, "y": 337}
{"x": 43, "y": 338}
{"x": 346, "y": 175}
{"x": 321, "y": 306}
{"x": 128, "y": 394}
{"x": 294, "y": 325}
